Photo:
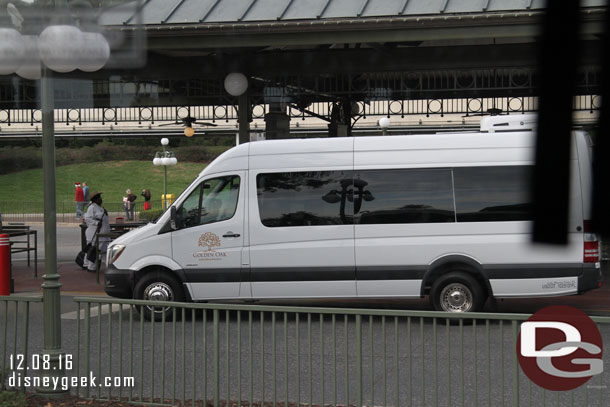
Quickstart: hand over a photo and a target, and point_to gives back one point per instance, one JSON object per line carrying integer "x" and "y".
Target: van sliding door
{"x": 302, "y": 234}
{"x": 402, "y": 217}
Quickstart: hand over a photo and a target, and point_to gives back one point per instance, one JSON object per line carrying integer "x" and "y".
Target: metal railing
{"x": 250, "y": 355}
{"x": 14, "y": 334}
{"x": 25, "y": 211}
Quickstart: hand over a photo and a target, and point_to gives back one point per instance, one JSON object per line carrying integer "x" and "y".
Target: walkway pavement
{"x": 76, "y": 281}
{"x": 73, "y": 279}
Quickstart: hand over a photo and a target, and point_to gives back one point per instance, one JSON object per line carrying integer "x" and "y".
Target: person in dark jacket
{"x": 146, "y": 195}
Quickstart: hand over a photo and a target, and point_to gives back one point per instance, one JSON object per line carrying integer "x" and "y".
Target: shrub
{"x": 151, "y": 215}
{"x": 16, "y": 159}
{"x": 12, "y": 399}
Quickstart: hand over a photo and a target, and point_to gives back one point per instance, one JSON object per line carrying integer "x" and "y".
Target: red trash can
{"x": 5, "y": 265}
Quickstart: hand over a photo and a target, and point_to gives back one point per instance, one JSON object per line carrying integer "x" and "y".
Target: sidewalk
{"x": 73, "y": 279}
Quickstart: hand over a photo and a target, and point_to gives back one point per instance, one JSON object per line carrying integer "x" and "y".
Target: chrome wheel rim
{"x": 158, "y": 291}
{"x": 456, "y": 297}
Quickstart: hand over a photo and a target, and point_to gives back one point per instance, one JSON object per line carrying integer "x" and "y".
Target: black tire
{"x": 158, "y": 286}
{"x": 457, "y": 292}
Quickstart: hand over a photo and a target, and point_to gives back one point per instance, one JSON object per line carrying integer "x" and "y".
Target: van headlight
{"x": 115, "y": 252}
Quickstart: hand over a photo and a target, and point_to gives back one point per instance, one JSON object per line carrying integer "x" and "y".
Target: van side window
{"x": 406, "y": 196}
{"x": 493, "y": 194}
{"x": 305, "y": 198}
{"x": 214, "y": 200}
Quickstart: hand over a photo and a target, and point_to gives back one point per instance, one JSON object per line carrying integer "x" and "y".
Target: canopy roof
{"x": 250, "y": 11}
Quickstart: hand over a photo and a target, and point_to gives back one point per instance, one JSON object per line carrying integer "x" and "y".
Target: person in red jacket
{"x": 79, "y": 197}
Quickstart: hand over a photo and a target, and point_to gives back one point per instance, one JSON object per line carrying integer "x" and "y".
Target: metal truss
{"x": 225, "y": 113}
{"x": 466, "y": 92}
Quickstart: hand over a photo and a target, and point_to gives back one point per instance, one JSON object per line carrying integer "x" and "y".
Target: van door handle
{"x": 231, "y": 234}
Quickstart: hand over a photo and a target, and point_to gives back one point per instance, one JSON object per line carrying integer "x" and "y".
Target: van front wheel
{"x": 457, "y": 292}
{"x": 156, "y": 286}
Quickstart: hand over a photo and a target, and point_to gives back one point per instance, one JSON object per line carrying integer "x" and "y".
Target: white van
{"x": 445, "y": 215}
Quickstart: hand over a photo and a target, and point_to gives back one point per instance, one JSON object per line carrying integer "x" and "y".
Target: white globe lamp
{"x": 12, "y": 50}
{"x": 384, "y": 123}
{"x": 236, "y": 83}
{"x": 30, "y": 66}
{"x": 61, "y": 47}
{"x": 94, "y": 53}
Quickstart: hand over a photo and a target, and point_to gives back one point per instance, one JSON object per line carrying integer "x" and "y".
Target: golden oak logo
{"x": 209, "y": 240}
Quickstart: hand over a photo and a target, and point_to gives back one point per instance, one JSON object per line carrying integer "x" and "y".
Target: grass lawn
{"x": 112, "y": 177}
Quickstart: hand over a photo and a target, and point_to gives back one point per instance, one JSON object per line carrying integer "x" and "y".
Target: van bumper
{"x": 118, "y": 283}
{"x": 590, "y": 278}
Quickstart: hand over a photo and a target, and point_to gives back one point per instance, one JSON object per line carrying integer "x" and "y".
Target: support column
{"x": 244, "y": 117}
{"x": 277, "y": 122}
{"x": 51, "y": 286}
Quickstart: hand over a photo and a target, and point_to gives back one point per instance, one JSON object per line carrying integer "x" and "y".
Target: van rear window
{"x": 493, "y": 194}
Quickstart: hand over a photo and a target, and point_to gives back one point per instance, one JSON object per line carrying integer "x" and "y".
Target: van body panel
{"x": 378, "y": 241}
{"x": 444, "y": 150}
{"x": 303, "y": 289}
{"x": 145, "y": 247}
{"x": 234, "y": 159}
{"x": 211, "y": 254}
{"x": 378, "y": 288}
{"x": 534, "y": 287}
{"x": 166, "y": 261}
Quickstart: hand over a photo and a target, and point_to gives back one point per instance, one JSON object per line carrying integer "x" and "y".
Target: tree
{"x": 210, "y": 240}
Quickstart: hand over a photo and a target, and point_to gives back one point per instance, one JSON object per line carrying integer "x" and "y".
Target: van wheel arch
{"x": 179, "y": 277}
{"x": 460, "y": 264}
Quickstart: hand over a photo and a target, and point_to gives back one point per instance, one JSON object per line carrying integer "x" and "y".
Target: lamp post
{"x": 384, "y": 124}
{"x": 34, "y": 57}
{"x": 236, "y": 84}
{"x": 165, "y": 158}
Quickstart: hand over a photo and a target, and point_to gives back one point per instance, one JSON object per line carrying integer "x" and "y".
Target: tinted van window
{"x": 405, "y": 196}
{"x": 305, "y": 198}
{"x": 214, "y": 200}
{"x": 492, "y": 194}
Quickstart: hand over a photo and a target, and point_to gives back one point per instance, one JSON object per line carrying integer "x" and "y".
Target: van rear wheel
{"x": 157, "y": 286}
{"x": 457, "y": 292}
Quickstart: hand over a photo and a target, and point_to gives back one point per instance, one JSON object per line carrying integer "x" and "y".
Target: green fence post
{"x": 216, "y": 359}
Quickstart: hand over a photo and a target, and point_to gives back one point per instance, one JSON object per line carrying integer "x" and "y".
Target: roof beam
{"x": 405, "y": 3}
{"x": 365, "y": 3}
{"x": 324, "y": 7}
{"x": 172, "y": 11}
{"x": 207, "y": 12}
{"x": 444, "y": 6}
{"x": 245, "y": 13}
{"x": 507, "y": 56}
{"x": 285, "y": 9}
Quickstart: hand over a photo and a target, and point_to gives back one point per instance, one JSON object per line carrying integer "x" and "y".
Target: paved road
{"x": 433, "y": 361}
{"x": 430, "y": 367}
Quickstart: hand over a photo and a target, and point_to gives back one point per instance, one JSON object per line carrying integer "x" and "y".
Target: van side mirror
{"x": 172, "y": 221}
